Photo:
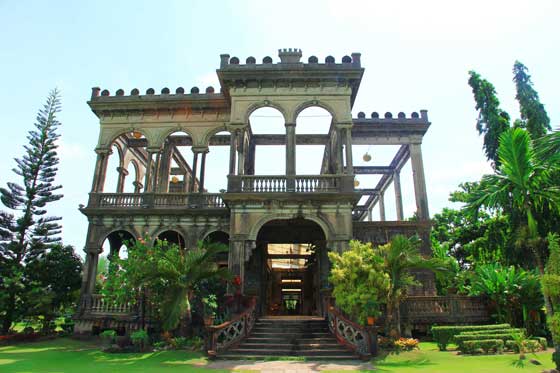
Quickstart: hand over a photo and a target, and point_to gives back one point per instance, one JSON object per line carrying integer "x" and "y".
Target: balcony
{"x": 155, "y": 200}
{"x": 291, "y": 184}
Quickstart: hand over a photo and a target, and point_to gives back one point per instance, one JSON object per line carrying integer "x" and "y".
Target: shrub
{"x": 531, "y": 345}
{"x": 385, "y": 342}
{"x": 461, "y": 339}
{"x": 108, "y": 336}
{"x": 497, "y": 331}
{"x": 406, "y": 344}
{"x": 486, "y": 345}
{"x": 443, "y": 335}
{"x": 140, "y": 339}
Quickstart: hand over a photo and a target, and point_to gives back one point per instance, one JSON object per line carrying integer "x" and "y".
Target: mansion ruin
{"x": 279, "y": 227}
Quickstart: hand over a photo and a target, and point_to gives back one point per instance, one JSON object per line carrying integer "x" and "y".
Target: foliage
{"x": 210, "y": 305}
{"x": 24, "y": 239}
{"x": 400, "y": 257}
{"x": 359, "y": 281}
{"x": 140, "y": 338}
{"x": 406, "y": 344}
{"x": 443, "y": 335}
{"x": 492, "y": 121}
{"x": 533, "y": 115}
{"x": 165, "y": 275}
{"x": 551, "y": 289}
{"x": 485, "y": 345}
{"x": 510, "y": 290}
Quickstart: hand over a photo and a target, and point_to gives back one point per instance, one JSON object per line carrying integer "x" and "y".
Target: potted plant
{"x": 371, "y": 309}
{"x": 209, "y": 306}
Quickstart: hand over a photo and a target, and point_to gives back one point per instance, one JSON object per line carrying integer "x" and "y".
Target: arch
{"x": 325, "y": 225}
{"x": 162, "y": 136}
{"x": 214, "y": 131}
{"x": 217, "y": 235}
{"x": 172, "y": 235}
{"x": 136, "y": 167}
{"x": 263, "y": 104}
{"x": 114, "y": 135}
{"x": 129, "y": 186}
{"x": 116, "y": 239}
{"x": 307, "y": 104}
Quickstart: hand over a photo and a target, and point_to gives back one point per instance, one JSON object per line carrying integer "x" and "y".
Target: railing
{"x": 444, "y": 309}
{"x": 290, "y": 183}
{"x": 150, "y": 200}
{"x": 95, "y": 304}
{"x": 359, "y": 339}
{"x": 229, "y": 333}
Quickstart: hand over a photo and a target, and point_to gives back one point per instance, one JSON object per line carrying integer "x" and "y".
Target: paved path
{"x": 288, "y": 366}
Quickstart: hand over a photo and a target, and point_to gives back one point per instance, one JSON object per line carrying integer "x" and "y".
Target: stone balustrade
{"x": 156, "y": 200}
{"x": 290, "y": 183}
{"x": 444, "y": 310}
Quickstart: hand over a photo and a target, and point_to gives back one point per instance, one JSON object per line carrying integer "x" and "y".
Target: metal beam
{"x": 373, "y": 170}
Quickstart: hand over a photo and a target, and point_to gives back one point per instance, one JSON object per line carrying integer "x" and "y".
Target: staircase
{"x": 307, "y": 337}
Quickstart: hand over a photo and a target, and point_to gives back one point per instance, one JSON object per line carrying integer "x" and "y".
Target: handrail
{"x": 324, "y": 183}
{"x": 229, "y": 333}
{"x": 149, "y": 200}
{"x": 361, "y": 340}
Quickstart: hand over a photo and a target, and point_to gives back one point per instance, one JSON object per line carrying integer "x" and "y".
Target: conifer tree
{"x": 492, "y": 121}
{"x": 26, "y": 234}
{"x": 533, "y": 115}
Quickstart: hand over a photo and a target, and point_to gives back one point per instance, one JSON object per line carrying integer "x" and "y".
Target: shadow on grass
{"x": 392, "y": 361}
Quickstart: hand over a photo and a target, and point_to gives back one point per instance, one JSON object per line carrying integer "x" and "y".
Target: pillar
{"x": 398, "y": 195}
{"x": 370, "y": 213}
{"x": 232, "y": 152}
{"x": 290, "y": 148}
{"x": 137, "y": 186}
{"x": 194, "y": 169}
{"x": 123, "y": 173}
{"x": 100, "y": 170}
{"x": 186, "y": 182}
{"x": 382, "y": 206}
{"x": 241, "y": 152}
{"x": 338, "y": 151}
{"x": 419, "y": 181}
{"x": 202, "y": 172}
{"x": 90, "y": 272}
{"x": 348, "y": 148}
{"x": 157, "y": 173}
{"x": 236, "y": 261}
{"x": 164, "y": 169}
{"x": 149, "y": 171}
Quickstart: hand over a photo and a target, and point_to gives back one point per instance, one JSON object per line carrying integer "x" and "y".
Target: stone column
{"x": 236, "y": 261}
{"x": 382, "y": 206}
{"x": 148, "y": 183}
{"x": 241, "y": 152}
{"x": 338, "y": 151}
{"x": 419, "y": 181}
{"x": 186, "y": 182}
{"x": 290, "y": 148}
{"x": 232, "y": 152}
{"x": 398, "y": 195}
{"x": 137, "y": 186}
{"x": 100, "y": 170}
{"x": 123, "y": 173}
{"x": 193, "y": 175}
{"x": 202, "y": 172}
{"x": 90, "y": 271}
{"x": 348, "y": 148}
{"x": 157, "y": 173}
{"x": 164, "y": 169}
{"x": 370, "y": 214}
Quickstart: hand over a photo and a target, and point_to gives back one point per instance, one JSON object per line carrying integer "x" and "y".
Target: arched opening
{"x": 223, "y": 238}
{"x": 115, "y": 244}
{"x": 288, "y": 267}
{"x": 217, "y": 162}
{"x": 126, "y": 165}
{"x": 309, "y": 153}
{"x": 269, "y": 155}
{"x": 172, "y": 237}
{"x": 176, "y": 172}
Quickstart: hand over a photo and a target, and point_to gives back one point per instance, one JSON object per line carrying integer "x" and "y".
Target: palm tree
{"x": 401, "y": 257}
{"x": 182, "y": 270}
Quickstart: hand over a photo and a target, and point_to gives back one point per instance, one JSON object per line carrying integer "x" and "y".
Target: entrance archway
{"x": 289, "y": 263}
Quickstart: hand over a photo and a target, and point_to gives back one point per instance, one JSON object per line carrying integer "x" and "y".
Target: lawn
{"x": 66, "y": 355}
{"x": 430, "y": 359}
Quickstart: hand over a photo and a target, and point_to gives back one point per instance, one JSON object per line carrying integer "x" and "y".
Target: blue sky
{"x": 416, "y": 54}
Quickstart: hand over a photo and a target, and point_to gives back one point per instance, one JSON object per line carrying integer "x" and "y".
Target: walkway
{"x": 288, "y": 366}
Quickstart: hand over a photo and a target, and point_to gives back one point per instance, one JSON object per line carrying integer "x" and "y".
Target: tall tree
{"x": 27, "y": 236}
{"x": 492, "y": 121}
{"x": 533, "y": 115}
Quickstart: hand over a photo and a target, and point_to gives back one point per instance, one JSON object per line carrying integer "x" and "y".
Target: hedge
{"x": 443, "y": 335}
{"x": 486, "y": 345}
{"x": 497, "y": 331}
{"x": 531, "y": 345}
{"x": 461, "y": 339}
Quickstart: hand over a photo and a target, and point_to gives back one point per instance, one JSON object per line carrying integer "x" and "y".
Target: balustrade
{"x": 454, "y": 308}
{"x": 290, "y": 183}
{"x": 147, "y": 200}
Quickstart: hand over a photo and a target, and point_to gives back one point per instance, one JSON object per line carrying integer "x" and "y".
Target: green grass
{"x": 430, "y": 359}
{"x": 66, "y": 355}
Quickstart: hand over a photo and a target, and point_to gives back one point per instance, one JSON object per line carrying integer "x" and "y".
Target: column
{"x": 348, "y": 148}
{"x": 236, "y": 261}
{"x": 232, "y": 152}
{"x": 382, "y": 206}
{"x": 186, "y": 182}
{"x": 88, "y": 283}
{"x": 137, "y": 186}
{"x": 123, "y": 173}
{"x": 100, "y": 170}
{"x": 338, "y": 151}
{"x": 241, "y": 152}
{"x": 202, "y": 172}
{"x": 398, "y": 195}
{"x": 370, "y": 213}
{"x": 164, "y": 169}
{"x": 419, "y": 181}
{"x": 290, "y": 148}
{"x": 193, "y": 175}
{"x": 157, "y": 174}
{"x": 148, "y": 177}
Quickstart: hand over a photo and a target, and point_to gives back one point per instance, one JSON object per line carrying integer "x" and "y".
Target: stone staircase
{"x": 307, "y": 337}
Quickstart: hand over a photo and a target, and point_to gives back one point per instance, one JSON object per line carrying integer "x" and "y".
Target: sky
{"x": 416, "y": 55}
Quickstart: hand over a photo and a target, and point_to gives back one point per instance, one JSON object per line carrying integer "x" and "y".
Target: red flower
{"x": 236, "y": 281}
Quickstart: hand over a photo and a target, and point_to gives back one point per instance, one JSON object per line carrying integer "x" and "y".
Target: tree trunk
{"x": 7, "y": 322}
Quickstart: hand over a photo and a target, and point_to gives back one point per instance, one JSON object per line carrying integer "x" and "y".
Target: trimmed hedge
{"x": 486, "y": 345}
{"x": 443, "y": 335}
{"x": 461, "y": 339}
{"x": 497, "y": 331}
{"x": 531, "y": 345}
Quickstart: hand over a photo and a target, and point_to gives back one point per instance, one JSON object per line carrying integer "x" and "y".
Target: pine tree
{"x": 492, "y": 121}
{"x": 533, "y": 115}
{"x": 25, "y": 238}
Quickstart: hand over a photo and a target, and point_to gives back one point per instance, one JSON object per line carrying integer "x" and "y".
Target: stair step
{"x": 230, "y": 356}
{"x": 287, "y": 352}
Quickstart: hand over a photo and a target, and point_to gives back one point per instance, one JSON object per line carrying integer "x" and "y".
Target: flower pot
{"x": 370, "y": 320}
